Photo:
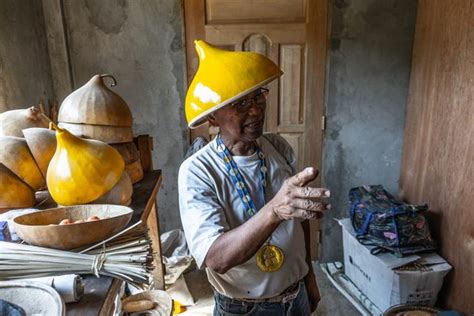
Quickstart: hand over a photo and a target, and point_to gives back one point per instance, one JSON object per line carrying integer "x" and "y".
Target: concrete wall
{"x": 371, "y": 44}
{"x": 24, "y": 65}
{"x": 141, "y": 44}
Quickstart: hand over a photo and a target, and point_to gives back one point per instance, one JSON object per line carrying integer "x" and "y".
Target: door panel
{"x": 260, "y": 11}
{"x": 293, "y": 34}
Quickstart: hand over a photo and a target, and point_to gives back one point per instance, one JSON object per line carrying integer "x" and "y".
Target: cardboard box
{"x": 381, "y": 279}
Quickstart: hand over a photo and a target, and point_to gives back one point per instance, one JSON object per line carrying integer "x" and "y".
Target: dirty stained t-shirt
{"x": 210, "y": 206}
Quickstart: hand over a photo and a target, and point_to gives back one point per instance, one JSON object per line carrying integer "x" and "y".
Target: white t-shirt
{"x": 210, "y": 206}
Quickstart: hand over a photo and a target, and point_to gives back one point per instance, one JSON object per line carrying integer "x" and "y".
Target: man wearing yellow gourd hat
{"x": 243, "y": 209}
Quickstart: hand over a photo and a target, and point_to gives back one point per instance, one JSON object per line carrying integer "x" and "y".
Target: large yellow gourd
{"x": 14, "y": 193}
{"x": 82, "y": 170}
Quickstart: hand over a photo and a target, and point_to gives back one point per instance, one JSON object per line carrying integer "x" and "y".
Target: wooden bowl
{"x": 36, "y": 228}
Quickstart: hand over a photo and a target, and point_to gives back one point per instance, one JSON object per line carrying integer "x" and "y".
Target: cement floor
{"x": 332, "y": 302}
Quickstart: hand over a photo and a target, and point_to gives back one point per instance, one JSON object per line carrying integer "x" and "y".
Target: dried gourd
{"x": 42, "y": 144}
{"x": 120, "y": 194}
{"x": 16, "y": 156}
{"x": 95, "y": 104}
{"x": 104, "y": 133}
{"x": 82, "y": 170}
{"x": 14, "y": 121}
{"x": 14, "y": 193}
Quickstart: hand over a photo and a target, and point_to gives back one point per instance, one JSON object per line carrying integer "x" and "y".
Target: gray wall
{"x": 141, "y": 44}
{"x": 24, "y": 65}
{"x": 371, "y": 44}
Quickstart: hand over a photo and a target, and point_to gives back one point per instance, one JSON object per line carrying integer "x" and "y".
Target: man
{"x": 243, "y": 210}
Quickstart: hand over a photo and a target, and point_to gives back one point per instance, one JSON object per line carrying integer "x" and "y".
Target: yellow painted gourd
{"x": 82, "y": 170}
{"x": 16, "y": 156}
{"x": 95, "y": 104}
{"x": 14, "y": 193}
{"x": 222, "y": 78}
{"x": 14, "y": 121}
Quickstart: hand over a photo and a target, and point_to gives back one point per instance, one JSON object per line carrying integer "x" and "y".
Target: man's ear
{"x": 211, "y": 118}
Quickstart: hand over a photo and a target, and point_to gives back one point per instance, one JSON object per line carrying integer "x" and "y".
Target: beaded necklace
{"x": 270, "y": 257}
{"x": 238, "y": 179}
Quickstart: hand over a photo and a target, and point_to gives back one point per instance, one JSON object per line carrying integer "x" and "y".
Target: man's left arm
{"x": 310, "y": 279}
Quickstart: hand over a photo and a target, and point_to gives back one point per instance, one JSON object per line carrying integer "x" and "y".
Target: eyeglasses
{"x": 244, "y": 105}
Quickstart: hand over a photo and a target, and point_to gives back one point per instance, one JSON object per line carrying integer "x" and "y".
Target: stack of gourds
{"x": 75, "y": 170}
{"x": 20, "y": 175}
{"x": 94, "y": 111}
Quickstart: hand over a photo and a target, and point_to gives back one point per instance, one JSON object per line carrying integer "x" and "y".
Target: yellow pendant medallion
{"x": 270, "y": 258}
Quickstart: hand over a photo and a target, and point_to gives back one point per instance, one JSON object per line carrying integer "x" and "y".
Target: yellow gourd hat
{"x": 223, "y": 77}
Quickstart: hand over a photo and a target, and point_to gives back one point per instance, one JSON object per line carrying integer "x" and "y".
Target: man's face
{"x": 242, "y": 120}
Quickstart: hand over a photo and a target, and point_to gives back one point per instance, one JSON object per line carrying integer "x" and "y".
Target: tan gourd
{"x": 82, "y": 170}
{"x": 16, "y": 156}
{"x": 95, "y": 104}
{"x": 106, "y": 134}
{"x": 14, "y": 121}
{"x": 120, "y": 194}
{"x": 42, "y": 144}
{"x": 14, "y": 193}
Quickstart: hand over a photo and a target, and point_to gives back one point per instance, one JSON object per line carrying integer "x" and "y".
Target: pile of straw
{"x": 127, "y": 256}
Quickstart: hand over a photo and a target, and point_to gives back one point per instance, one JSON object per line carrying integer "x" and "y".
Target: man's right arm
{"x": 293, "y": 201}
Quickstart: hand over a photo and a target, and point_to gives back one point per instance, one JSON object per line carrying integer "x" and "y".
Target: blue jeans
{"x": 299, "y": 306}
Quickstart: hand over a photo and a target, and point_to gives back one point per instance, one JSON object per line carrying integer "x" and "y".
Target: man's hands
{"x": 295, "y": 200}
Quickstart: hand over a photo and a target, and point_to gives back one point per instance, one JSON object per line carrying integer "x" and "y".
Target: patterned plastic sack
{"x": 391, "y": 225}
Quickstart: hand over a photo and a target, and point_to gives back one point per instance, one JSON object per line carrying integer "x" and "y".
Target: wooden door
{"x": 293, "y": 34}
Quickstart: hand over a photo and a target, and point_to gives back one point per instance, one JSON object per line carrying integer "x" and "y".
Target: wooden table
{"x": 100, "y": 292}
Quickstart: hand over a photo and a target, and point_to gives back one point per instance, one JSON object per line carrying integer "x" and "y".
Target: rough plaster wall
{"x": 24, "y": 65}
{"x": 371, "y": 44}
{"x": 141, "y": 44}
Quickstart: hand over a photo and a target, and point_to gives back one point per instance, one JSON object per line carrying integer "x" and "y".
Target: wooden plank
{"x": 271, "y": 112}
{"x": 144, "y": 144}
{"x": 297, "y": 128}
{"x": 315, "y": 81}
{"x": 295, "y": 142}
{"x": 154, "y": 229}
{"x": 291, "y": 106}
{"x": 56, "y": 34}
{"x": 221, "y": 34}
{"x": 194, "y": 20}
{"x": 144, "y": 195}
{"x": 256, "y": 11}
{"x": 437, "y": 163}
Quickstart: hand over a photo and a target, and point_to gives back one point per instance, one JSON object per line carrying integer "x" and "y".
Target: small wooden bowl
{"x": 36, "y": 228}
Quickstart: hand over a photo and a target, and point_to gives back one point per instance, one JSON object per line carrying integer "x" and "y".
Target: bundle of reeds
{"x": 127, "y": 256}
